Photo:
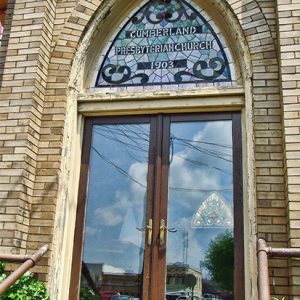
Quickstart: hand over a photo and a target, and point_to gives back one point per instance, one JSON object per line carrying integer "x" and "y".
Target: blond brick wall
{"x": 258, "y": 19}
{"x": 25, "y": 58}
{"x": 63, "y": 10}
{"x": 289, "y": 45}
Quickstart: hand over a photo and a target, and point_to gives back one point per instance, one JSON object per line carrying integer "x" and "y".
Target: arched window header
{"x": 167, "y": 42}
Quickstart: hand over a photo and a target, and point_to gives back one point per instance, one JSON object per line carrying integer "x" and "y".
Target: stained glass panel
{"x": 166, "y": 42}
{"x": 213, "y": 212}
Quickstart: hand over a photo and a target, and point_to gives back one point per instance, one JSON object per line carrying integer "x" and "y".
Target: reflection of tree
{"x": 219, "y": 260}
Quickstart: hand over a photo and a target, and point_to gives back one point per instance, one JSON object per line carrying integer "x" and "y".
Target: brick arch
{"x": 257, "y": 59}
{"x": 253, "y": 26}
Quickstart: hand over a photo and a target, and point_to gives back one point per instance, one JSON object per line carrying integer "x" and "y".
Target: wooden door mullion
{"x": 164, "y": 204}
{"x": 148, "y": 257}
{"x": 239, "y": 273}
{"x": 156, "y": 284}
{"x": 158, "y": 278}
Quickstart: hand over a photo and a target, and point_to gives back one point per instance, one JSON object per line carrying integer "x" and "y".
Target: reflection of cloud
{"x": 197, "y": 158}
{"x": 114, "y": 214}
{"x": 183, "y": 174}
{"x": 112, "y": 269}
{"x": 138, "y": 171}
{"x": 201, "y": 162}
{"x": 195, "y": 251}
{"x": 184, "y": 224}
{"x": 91, "y": 231}
{"x": 129, "y": 232}
{"x": 132, "y": 199}
{"x": 108, "y": 216}
{"x": 218, "y": 132}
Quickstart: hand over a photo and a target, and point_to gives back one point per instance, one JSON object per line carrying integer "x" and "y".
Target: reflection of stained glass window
{"x": 3, "y": 6}
{"x": 166, "y": 42}
{"x": 213, "y": 212}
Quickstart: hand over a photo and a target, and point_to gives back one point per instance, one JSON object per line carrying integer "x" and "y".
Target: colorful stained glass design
{"x": 165, "y": 42}
{"x": 213, "y": 212}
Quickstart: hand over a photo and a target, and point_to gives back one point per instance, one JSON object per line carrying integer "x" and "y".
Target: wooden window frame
{"x": 157, "y": 189}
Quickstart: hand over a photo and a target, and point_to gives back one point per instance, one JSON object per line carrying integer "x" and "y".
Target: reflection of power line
{"x": 206, "y": 143}
{"x": 198, "y": 190}
{"x": 135, "y": 137}
{"x": 216, "y": 154}
{"x": 118, "y": 168}
{"x": 132, "y": 133}
{"x": 136, "y": 147}
{"x": 128, "y": 152}
{"x": 196, "y": 162}
{"x": 124, "y": 173}
{"x": 131, "y": 141}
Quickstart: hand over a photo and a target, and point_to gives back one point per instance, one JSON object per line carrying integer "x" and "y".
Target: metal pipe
{"x": 263, "y": 271}
{"x": 284, "y": 252}
{"x": 29, "y": 263}
{"x": 263, "y": 252}
{"x": 13, "y": 257}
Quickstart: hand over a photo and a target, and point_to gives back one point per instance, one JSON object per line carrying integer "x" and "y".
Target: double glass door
{"x": 160, "y": 209}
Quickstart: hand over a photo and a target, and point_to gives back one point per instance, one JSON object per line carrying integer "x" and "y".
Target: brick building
{"x": 63, "y": 93}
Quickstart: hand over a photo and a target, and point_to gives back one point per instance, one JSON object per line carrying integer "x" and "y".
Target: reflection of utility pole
{"x": 185, "y": 241}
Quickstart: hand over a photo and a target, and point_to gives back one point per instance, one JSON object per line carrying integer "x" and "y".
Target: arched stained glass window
{"x": 167, "y": 42}
{"x": 213, "y": 212}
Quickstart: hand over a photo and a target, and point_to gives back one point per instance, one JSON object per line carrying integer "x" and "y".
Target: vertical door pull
{"x": 148, "y": 229}
{"x": 162, "y": 232}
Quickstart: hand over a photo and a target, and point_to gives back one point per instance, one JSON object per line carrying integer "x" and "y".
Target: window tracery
{"x": 167, "y": 42}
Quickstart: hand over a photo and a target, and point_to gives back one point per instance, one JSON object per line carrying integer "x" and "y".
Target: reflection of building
{"x": 107, "y": 278}
{"x": 180, "y": 277}
{"x": 95, "y": 271}
{"x": 123, "y": 283}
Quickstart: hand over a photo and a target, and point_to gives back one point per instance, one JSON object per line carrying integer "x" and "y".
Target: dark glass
{"x": 116, "y": 208}
{"x": 200, "y": 207}
{"x": 3, "y": 8}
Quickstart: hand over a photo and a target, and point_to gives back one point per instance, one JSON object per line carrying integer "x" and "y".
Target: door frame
{"x": 158, "y": 170}
{"x": 83, "y": 185}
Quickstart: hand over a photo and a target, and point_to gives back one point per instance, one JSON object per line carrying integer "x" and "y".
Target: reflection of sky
{"x": 201, "y": 163}
{"x": 116, "y": 196}
{"x": 201, "y": 154}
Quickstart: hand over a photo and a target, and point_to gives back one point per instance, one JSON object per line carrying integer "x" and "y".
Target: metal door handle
{"x": 162, "y": 231}
{"x": 149, "y": 229}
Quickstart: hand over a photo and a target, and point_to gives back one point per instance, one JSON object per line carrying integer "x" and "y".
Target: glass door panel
{"x": 114, "y": 237}
{"x": 155, "y": 216}
{"x": 200, "y": 248}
